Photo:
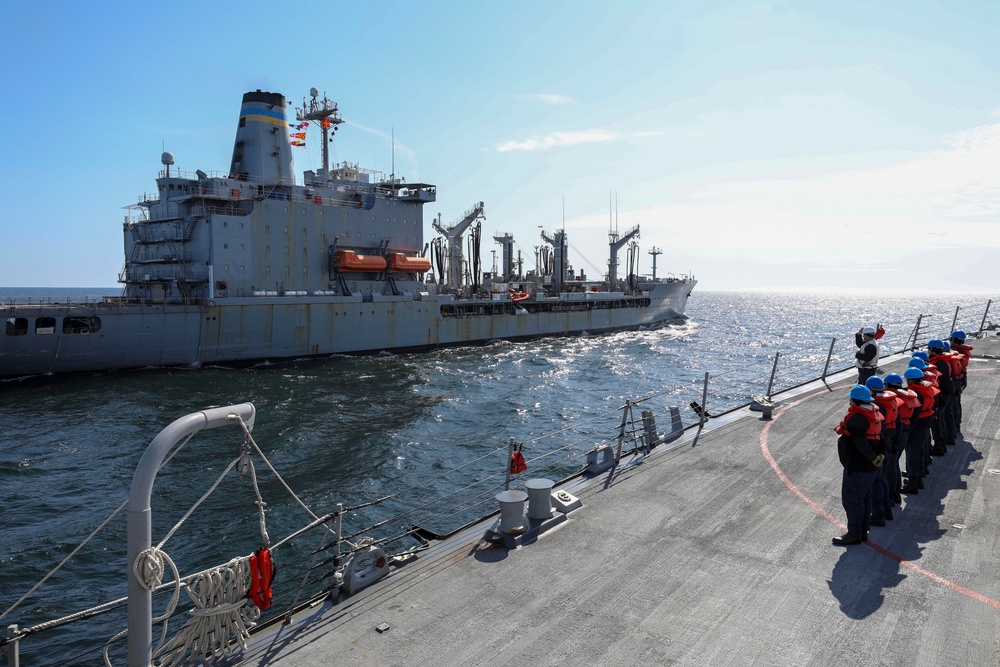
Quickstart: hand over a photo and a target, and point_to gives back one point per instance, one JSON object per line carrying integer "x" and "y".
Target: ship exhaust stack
{"x": 262, "y": 153}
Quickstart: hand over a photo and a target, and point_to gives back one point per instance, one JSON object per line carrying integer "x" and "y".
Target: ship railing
{"x": 794, "y": 365}
{"x": 403, "y": 521}
{"x": 345, "y": 193}
{"x": 370, "y": 185}
{"x": 98, "y": 305}
{"x": 59, "y": 300}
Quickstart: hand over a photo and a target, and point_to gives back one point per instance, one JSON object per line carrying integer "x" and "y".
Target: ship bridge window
{"x": 81, "y": 325}
{"x": 17, "y": 326}
{"x": 45, "y": 326}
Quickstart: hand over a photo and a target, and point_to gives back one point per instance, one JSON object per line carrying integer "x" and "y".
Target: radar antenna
{"x": 325, "y": 113}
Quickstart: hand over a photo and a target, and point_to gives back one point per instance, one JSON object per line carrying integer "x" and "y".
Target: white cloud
{"x": 554, "y": 139}
{"x": 949, "y": 185}
{"x": 550, "y": 98}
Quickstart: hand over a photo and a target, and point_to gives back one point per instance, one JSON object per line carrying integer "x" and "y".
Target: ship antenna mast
{"x": 327, "y": 115}
{"x": 654, "y": 252}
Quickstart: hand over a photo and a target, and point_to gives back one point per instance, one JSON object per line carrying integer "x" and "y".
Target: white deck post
{"x": 140, "y": 518}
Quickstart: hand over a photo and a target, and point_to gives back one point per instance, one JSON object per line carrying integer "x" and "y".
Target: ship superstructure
{"x": 251, "y": 264}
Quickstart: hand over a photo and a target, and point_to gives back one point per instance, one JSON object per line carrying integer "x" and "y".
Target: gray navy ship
{"x": 251, "y": 265}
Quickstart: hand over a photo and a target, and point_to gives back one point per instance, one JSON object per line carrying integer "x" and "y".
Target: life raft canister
{"x": 261, "y": 575}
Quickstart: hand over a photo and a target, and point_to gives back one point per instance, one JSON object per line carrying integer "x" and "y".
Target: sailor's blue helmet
{"x": 913, "y": 374}
{"x": 859, "y": 393}
{"x": 893, "y": 378}
{"x": 875, "y": 383}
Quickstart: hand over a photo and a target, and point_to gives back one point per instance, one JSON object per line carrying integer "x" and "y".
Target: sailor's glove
{"x": 877, "y": 461}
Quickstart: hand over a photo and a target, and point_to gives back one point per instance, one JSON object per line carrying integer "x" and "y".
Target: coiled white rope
{"x": 220, "y": 614}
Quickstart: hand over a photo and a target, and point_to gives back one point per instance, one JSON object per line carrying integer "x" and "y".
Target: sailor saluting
{"x": 867, "y": 355}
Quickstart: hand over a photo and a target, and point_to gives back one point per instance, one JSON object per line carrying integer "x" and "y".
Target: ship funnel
{"x": 262, "y": 153}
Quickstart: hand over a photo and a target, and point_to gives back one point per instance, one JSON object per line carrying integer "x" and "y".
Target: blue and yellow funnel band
{"x": 265, "y": 116}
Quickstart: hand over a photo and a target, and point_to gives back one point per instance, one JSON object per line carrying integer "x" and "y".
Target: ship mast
{"x": 654, "y": 252}
{"x": 327, "y": 115}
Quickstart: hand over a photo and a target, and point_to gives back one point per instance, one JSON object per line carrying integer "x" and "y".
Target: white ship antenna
{"x": 392, "y": 175}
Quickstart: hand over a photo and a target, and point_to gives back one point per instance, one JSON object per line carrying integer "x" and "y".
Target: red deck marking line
{"x": 837, "y": 522}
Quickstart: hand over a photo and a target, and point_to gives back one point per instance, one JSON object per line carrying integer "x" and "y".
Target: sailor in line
{"x": 943, "y": 427}
{"x": 909, "y": 411}
{"x": 860, "y": 450}
{"x": 887, "y": 477}
{"x": 964, "y": 351}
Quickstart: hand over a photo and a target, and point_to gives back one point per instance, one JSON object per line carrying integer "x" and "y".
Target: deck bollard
{"x": 512, "y": 511}
{"x": 539, "y": 498}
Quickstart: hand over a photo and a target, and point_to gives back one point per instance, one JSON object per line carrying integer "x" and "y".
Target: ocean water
{"x": 352, "y": 430}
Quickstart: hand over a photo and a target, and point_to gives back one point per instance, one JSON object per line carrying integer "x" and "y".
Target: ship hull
{"x": 234, "y": 331}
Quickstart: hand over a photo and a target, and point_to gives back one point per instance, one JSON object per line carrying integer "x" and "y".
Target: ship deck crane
{"x": 616, "y": 245}
{"x": 453, "y": 233}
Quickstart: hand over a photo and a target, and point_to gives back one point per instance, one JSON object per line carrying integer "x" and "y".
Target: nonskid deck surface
{"x": 716, "y": 552}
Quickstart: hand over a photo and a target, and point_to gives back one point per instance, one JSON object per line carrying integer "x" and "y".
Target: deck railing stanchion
{"x": 626, "y": 409}
{"x": 338, "y": 524}
{"x": 826, "y": 366}
{"x": 510, "y": 455}
{"x": 954, "y": 320}
{"x": 982, "y": 325}
{"x": 139, "y": 523}
{"x": 704, "y": 402}
{"x": 12, "y": 649}
{"x": 770, "y": 382}
{"x": 911, "y": 342}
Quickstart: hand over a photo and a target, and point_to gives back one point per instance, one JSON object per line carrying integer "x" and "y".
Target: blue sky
{"x": 760, "y": 145}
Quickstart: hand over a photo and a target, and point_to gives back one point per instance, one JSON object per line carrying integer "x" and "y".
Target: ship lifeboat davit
{"x": 348, "y": 260}
{"x": 400, "y": 263}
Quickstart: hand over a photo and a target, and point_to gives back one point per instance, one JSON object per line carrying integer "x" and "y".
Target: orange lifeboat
{"x": 400, "y": 263}
{"x": 519, "y": 296}
{"x": 348, "y": 260}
